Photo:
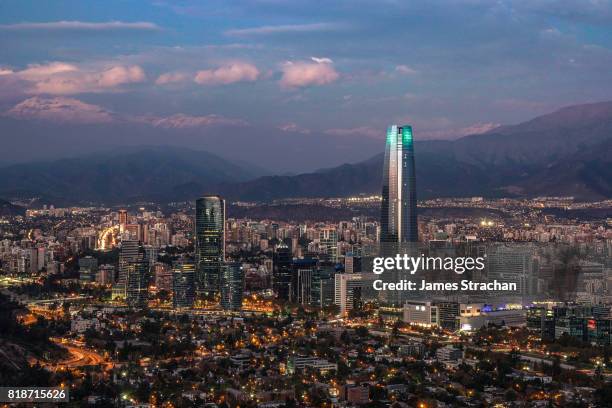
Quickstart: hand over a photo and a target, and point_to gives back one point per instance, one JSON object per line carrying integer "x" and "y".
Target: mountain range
{"x": 564, "y": 153}
{"x": 123, "y": 175}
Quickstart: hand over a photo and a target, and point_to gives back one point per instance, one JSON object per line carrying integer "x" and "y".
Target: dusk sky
{"x": 335, "y": 69}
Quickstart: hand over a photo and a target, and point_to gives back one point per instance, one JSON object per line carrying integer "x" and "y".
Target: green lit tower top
{"x": 398, "y": 213}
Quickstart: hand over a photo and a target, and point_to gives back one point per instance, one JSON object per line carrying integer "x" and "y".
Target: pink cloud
{"x": 172, "y": 77}
{"x": 405, "y": 70}
{"x": 294, "y": 128}
{"x": 37, "y": 71}
{"x": 59, "y": 78}
{"x": 59, "y": 109}
{"x": 362, "y": 130}
{"x": 183, "y": 121}
{"x": 120, "y": 75}
{"x": 318, "y": 71}
{"x": 228, "y": 74}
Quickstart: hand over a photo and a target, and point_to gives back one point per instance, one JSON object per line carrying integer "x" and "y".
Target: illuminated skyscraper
{"x": 183, "y": 285}
{"x": 281, "y": 275}
{"x": 209, "y": 242}
{"x": 137, "y": 284}
{"x": 328, "y": 240}
{"x": 398, "y": 216}
{"x": 232, "y": 286}
{"x": 123, "y": 220}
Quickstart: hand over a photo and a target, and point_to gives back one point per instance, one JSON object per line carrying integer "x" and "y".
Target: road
{"x": 79, "y": 356}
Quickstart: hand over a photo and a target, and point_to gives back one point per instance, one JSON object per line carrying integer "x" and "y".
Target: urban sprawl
{"x": 186, "y": 305}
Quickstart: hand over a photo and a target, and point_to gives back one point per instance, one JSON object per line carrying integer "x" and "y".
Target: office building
{"x": 328, "y": 243}
{"x": 281, "y": 272}
{"x": 352, "y": 263}
{"x": 88, "y": 268}
{"x": 209, "y": 242}
{"x": 348, "y": 291}
{"x": 123, "y": 220}
{"x": 106, "y": 274}
{"x": 398, "y": 210}
{"x": 129, "y": 253}
{"x": 421, "y": 314}
{"x": 183, "y": 285}
{"x": 137, "y": 284}
{"x": 232, "y": 286}
{"x": 305, "y": 280}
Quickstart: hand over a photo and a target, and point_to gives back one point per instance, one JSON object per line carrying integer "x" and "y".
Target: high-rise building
{"x": 137, "y": 284}
{"x": 150, "y": 255}
{"x": 512, "y": 264}
{"x": 232, "y": 286}
{"x": 163, "y": 276}
{"x": 348, "y": 291}
{"x": 398, "y": 216}
{"x": 209, "y": 242}
{"x": 281, "y": 272}
{"x": 352, "y": 263}
{"x": 106, "y": 274}
{"x": 123, "y": 220}
{"x": 183, "y": 285}
{"x": 323, "y": 289}
{"x": 328, "y": 241}
{"x": 128, "y": 253}
{"x": 304, "y": 280}
{"x": 88, "y": 268}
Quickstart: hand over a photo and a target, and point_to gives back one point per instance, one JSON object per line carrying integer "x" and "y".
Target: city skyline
{"x": 297, "y": 204}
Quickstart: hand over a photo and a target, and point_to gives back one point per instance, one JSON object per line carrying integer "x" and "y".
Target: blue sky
{"x": 330, "y": 68}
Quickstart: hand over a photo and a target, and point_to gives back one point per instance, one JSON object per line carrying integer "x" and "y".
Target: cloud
{"x": 479, "y": 128}
{"x": 455, "y": 133}
{"x": 81, "y": 26}
{"x": 235, "y": 72}
{"x": 362, "y": 130}
{"x": 294, "y": 128}
{"x": 37, "y": 71}
{"x": 59, "y": 109}
{"x": 283, "y": 29}
{"x": 318, "y": 71}
{"x": 59, "y": 78}
{"x": 405, "y": 70}
{"x": 120, "y": 75}
{"x": 182, "y": 121}
{"x": 172, "y": 77}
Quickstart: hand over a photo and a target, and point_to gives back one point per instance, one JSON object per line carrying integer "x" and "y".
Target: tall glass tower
{"x": 398, "y": 219}
{"x": 209, "y": 242}
{"x": 232, "y": 286}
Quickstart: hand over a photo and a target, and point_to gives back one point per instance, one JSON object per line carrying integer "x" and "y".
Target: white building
{"x": 348, "y": 290}
{"x": 421, "y": 314}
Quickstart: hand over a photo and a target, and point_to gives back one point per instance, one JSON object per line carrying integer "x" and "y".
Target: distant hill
{"x": 8, "y": 209}
{"x": 565, "y": 153}
{"x": 126, "y": 175}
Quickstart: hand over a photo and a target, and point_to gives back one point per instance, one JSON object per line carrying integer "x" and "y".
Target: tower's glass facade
{"x": 232, "y": 286}
{"x": 209, "y": 242}
{"x": 281, "y": 275}
{"x": 183, "y": 284}
{"x": 398, "y": 216}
